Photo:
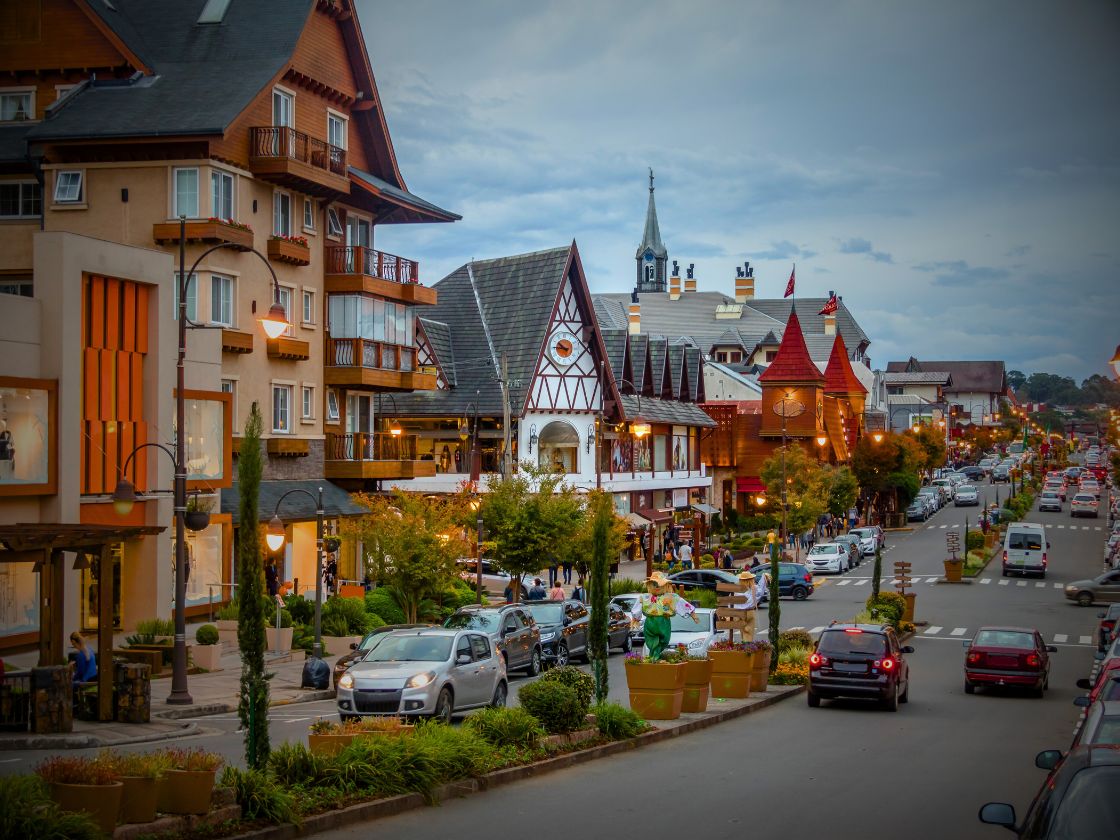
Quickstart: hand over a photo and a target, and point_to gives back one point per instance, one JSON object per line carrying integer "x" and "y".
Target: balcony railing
{"x": 280, "y": 141}
{"x": 371, "y": 446}
{"x": 365, "y": 353}
{"x": 357, "y": 259}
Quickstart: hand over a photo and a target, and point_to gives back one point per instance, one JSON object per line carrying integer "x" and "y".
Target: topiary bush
{"x": 207, "y": 634}
{"x": 381, "y": 603}
{"x": 890, "y": 606}
{"x": 574, "y": 678}
{"x": 506, "y": 726}
{"x": 794, "y": 638}
{"x": 302, "y": 609}
{"x": 351, "y": 614}
{"x": 618, "y": 722}
{"x": 557, "y": 706}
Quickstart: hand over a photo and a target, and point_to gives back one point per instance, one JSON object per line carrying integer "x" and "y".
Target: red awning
{"x": 655, "y": 515}
{"x": 749, "y": 484}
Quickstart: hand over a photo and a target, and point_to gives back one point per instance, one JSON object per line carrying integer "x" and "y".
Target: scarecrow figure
{"x": 658, "y": 605}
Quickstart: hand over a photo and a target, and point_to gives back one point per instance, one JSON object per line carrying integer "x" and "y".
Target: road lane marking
{"x": 1097, "y": 528}
{"x": 1004, "y": 582}
{"x": 1084, "y": 527}
{"x": 1040, "y": 584}
{"x": 1085, "y": 640}
{"x": 1020, "y": 583}
{"x": 1058, "y": 585}
{"x": 1060, "y": 637}
{"x": 933, "y": 580}
{"x": 861, "y": 581}
{"x": 1061, "y": 526}
{"x": 958, "y": 631}
{"x": 930, "y": 527}
{"x": 944, "y": 526}
{"x": 843, "y": 583}
{"x": 930, "y": 631}
{"x": 985, "y": 580}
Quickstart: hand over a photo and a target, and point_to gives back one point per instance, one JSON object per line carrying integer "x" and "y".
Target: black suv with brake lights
{"x": 859, "y": 660}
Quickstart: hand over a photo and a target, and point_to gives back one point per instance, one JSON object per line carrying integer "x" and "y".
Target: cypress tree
{"x": 602, "y": 511}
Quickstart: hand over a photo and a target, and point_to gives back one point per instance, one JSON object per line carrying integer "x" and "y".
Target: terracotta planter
{"x": 760, "y": 674}
{"x": 207, "y": 656}
{"x": 697, "y": 676}
{"x": 731, "y": 673}
{"x": 953, "y": 570}
{"x": 656, "y": 690}
{"x": 101, "y": 802}
{"x": 339, "y": 645}
{"x": 328, "y": 744}
{"x": 138, "y": 799}
{"x": 185, "y": 791}
{"x": 279, "y": 640}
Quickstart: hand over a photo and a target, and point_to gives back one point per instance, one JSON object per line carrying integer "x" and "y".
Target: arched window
{"x": 558, "y": 447}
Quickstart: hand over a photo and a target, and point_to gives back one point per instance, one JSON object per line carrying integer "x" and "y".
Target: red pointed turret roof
{"x": 792, "y": 363}
{"x": 839, "y": 378}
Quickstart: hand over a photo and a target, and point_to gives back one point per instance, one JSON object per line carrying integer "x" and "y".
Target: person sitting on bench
{"x": 85, "y": 660}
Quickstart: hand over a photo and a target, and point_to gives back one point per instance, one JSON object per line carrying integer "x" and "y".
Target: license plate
{"x": 851, "y": 667}
{"x": 1004, "y": 661}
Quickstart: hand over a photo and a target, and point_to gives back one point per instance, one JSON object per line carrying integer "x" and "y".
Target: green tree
{"x": 580, "y": 548}
{"x": 1015, "y": 379}
{"x": 887, "y": 469}
{"x": 603, "y": 519}
{"x": 843, "y": 490}
{"x": 931, "y": 448}
{"x": 252, "y": 707}
{"x": 412, "y": 543}
{"x": 807, "y": 487}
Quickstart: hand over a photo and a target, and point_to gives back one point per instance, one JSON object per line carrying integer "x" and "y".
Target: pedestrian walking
{"x": 508, "y": 593}
{"x": 567, "y": 565}
{"x": 579, "y": 593}
{"x": 537, "y": 592}
{"x": 553, "y": 568}
{"x": 557, "y": 593}
{"x": 853, "y": 518}
{"x": 686, "y": 555}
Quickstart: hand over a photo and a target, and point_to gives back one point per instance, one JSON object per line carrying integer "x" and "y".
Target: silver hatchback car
{"x": 435, "y": 672}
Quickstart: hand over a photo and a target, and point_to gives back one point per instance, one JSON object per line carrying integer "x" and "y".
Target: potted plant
{"x": 139, "y": 774}
{"x": 760, "y": 674}
{"x": 953, "y": 570}
{"x": 188, "y": 782}
{"x": 197, "y": 517}
{"x": 732, "y": 663}
{"x": 697, "y": 676}
{"x": 656, "y": 685}
{"x": 331, "y": 544}
{"x": 280, "y": 639}
{"x": 84, "y": 785}
{"x": 227, "y": 625}
{"x": 208, "y": 652}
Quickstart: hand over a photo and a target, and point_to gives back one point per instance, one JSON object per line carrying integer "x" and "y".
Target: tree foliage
{"x": 888, "y": 468}
{"x": 412, "y": 543}
{"x": 808, "y": 487}
{"x": 930, "y": 448}
{"x": 843, "y": 490}
{"x": 603, "y": 521}
{"x": 581, "y": 547}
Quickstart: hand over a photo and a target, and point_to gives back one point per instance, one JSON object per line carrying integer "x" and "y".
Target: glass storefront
{"x": 91, "y": 589}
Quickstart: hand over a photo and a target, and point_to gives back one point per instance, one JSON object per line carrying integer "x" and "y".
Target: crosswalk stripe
{"x": 843, "y": 582}
{"x": 958, "y": 631}
{"x": 1084, "y": 527}
{"x": 763, "y": 632}
{"x": 1040, "y": 584}
{"x": 1004, "y": 582}
{"x": 944, "y": 526}
{"x": 932, "y": 631}
{"x": 1097, "y": 528}
{"x": 861, "y": 581}
{"x": 1058, "y": 585}
{"x": 1085, "y": 640}
{"x": 1061, "y": 526}
{"x": 933, "y": 580}
{"x": 1060, "y": 637}
{"x": 1020, "y": 583}
{"x": 930, "y": 527}
{"x": 985, "y": 580}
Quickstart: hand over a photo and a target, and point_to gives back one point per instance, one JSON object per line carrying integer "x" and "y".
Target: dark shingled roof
{"x": 657, "y": 372}
{"x": 439, "y": 337}
{"x": 397, "y": 194}
{"x": 986, "y": 377}
{"x": 639, "y": 352}
{"x": 654, "y": 410}
{"x": 297, "y": 507}
{"x": 12, "y": 147}
{"x": 615, "y": 341}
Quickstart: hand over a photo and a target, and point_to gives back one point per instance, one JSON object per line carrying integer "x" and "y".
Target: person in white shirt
{"x": 686, "y": 555}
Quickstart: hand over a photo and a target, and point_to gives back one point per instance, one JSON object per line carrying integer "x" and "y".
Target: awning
{"x": 655, "y": 515}
{"x": 707, "y": 510}
{"x": 637, "y": 521}
{"x": 298, "y": 507}
{"x": 749, "y": 484}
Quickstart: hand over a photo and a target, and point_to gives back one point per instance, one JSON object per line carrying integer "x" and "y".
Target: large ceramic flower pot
{"x": 138, "y": 799}
{"x": 697, "y": 676}
{"x": 760, "y": 674}
{"x": 656, "y": 689}
{"x": 731, "y": 673}
{"x": 953, "y": 569}
{"x": 101, "y": 802}
{"x": 185, "y": 791}
{"x": 279, "y": 640}
{"x": 207, "y": 656}
{"x": 227, "y": 633}
{"x": 339, "y": 645}
{"x": 328, "y": 744}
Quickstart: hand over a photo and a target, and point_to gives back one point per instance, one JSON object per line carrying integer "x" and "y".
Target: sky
{"x": 951, "y": 168}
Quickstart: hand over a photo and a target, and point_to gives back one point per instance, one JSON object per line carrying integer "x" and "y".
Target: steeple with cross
{"x": 652, "y": 256}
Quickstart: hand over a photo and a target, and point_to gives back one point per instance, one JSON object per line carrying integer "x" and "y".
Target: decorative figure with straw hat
{"x": 658, "y": 605}
{"x": 750, "y": 604}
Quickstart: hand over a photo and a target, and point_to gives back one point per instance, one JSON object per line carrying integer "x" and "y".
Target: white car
{"x": 1084, "y": 504}
{"x": 868, "y": 540}
{"x": 966, "y": 495}
{"x": 696, "y": 638}
{"x": 945, "y": 486}
{"x": 957, "y": 478}
{"x": 986, "y": 464}
{"x": 828, "y": 557}
{"x": 1050, "y": 500}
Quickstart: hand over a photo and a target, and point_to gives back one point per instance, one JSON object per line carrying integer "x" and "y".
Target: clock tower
{"x": 651, "y": 255}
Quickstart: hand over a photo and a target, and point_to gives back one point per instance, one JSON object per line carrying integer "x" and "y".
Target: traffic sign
{"x": 903, "y": 581}
{"x": 729, "y": 624}
{"x": 901, "y": 564}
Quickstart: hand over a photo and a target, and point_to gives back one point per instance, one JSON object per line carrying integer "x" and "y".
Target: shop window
{"x": 91, "y": 593}
{"x": 558, "y": 447}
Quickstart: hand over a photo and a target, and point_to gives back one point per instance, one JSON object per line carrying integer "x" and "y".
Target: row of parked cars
{"x": 846, "y": 551}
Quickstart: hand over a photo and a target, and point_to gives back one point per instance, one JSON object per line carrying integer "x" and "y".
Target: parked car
{"x": 696, "y": 637}
{"x": 1007, "y": 656}
{"x": 966, "y": 495}
{"x": 859, "y": 660}
{"x": 973, "y": 473}
{"x": 934, "y": 495}
{"x": 364, "y": 646}
{"x": 917, "y": 511}
{"x": 829, "y": 557}
{"x": 1084, "y": 504}
{"x": 946, "y": 487}
{"x": 1106, "y": 686}
{"x": 702, "y": 578}
{"x": 1050, "y": 500}
{"x": 1101, "y": 724}
{"x": 1000, "y": 473}
{"x": 511, "y": 629}
{"x": 1107, "y": 629}
{"x": 1025, "y": 549}
{"x": 563, "y": 629}
{"x": 1078, "y": 798}
{"x": 1101, "y": 589}
{"x": 432, "y": 671}
{"x": 868, "y": 540}
{"x": 794, "y": 580}
{"x": 986, "y": 465}
{"x": 855, "y": 548}
{"x": 625, "y": 603}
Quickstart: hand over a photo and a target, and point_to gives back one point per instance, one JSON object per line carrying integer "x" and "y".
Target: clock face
{"x": 648, "y": 256}
{"x": 563, "y": 348}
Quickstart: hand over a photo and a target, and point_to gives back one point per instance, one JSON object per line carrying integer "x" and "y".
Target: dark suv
{"x": 511, "y": 629}
{"x": 859, "y": 660}
{"x": 794, "y": 579}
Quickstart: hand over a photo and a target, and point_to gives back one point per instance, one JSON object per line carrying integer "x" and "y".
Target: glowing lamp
{"x": 275, "y": 536}
{"x": 640, "y": 430}
{"x": 276, "y": 321}
{"x": 124, "y": 497}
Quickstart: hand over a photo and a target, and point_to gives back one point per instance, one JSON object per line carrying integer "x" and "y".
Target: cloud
{"x": 779, "y": 251}
{"x": 1018, "y": 251}
{"x": 863, "y": 246}
{"x": 960, "y": 273}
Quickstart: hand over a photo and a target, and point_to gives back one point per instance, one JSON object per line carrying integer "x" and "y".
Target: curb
{"x": 226, "y": 708}
{"x": 895, "y": 530}
{"x": 81, "y": 742}
{"x": 378, "y": 808}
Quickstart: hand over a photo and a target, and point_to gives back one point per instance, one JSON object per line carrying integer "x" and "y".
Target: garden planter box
{"x": 294, "y": 253}
{"x": 656, "y": 690}
{"x": 101, "y": 802}
{"x": 185, "y": 791}
{"x": 333, "y": 744}
{"x": 138, "y": 799}
{"x": 339, "y": 645}
{"x": 697, "y": 676}
{"x": 760, "y": 674}
{"x": 953, "y": 570}
{"x": 279, "y": 640}
{"x": 731, "y": 673}
{"x": 227, "y": 633}
{"x": 207, "y": 656}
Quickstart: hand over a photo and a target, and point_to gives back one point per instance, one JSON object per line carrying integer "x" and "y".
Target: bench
{"x": 154, "y": 658}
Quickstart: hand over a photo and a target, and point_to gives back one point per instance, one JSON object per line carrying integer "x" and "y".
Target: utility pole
{"x": 599, "y": 431}
{"x": 507, "y": 454}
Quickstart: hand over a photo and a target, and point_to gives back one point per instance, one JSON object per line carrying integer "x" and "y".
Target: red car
{"x": 1107, "y": 686}
{"x": 1007, "y": 656}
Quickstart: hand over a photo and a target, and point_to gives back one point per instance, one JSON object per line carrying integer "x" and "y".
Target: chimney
{"x": 635, "y": 318}
{"x": 689, "y": 284}
{"x": 675, "y": 284}
{"x": 830, "y": 325}
{"x": 744, "y": 283}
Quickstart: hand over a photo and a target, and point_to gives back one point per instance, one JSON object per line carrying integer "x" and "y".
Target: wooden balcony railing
{"x": 357, "y": 259}
{"x": 370, "y": 446}
{"x": 278, "y": 141}
{"x": 362, "y": 352}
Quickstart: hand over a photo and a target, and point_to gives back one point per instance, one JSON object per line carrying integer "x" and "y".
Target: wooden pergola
{"x": 45, "y": 546}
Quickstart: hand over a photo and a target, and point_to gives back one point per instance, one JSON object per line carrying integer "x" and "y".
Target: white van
{"x": 1025, "y": 549}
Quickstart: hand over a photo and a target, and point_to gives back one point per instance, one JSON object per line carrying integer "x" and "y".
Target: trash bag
{"x": 316, "y": 674}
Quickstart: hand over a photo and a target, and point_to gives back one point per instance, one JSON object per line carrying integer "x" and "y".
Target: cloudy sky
{"x": 951, "y": 168}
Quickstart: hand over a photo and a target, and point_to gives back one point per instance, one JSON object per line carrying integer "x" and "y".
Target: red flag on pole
{"x": 830, "y": 307}
{"x": 789, "y": 285}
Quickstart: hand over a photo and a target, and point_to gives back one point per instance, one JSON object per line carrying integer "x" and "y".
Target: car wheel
{"x": 561, "y": 654}
{"x": 814, "y": 700}
{"x": 534, "y": 666}
{"x": 444, "y": 707}
{"x": 969, "y": 688}
{"x": 500, "y": 695}
{"x": 1085, "y": 599}
{"x": 628, "y": 643}
{"x": 800, "y": 593}
{"x": 891, "y": 703}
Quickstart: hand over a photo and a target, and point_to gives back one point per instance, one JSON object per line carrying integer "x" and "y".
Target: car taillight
{"x": 1005, "y": 557}
{"x": 1108, "y": 625}
{"x": 1033, "y": 660}
{"x": 816, "y": 660}
{"x": 974, "y": 657}
{"x": 852, "y": 630}
{"x": 886, "y": 664}
{"x": 808, "y": 578}
{"x": 1044, "y": 559}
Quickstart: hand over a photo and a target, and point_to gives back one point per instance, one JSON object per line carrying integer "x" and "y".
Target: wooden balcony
{"x": 352, "y": 269}
{"x": 292, "y": 159}
{"x": 289, "y": 251}
{"x": 361, "y": 363}
{"x": 282, "y": 447}
{"x": 377, "y": 455}
{"x": 207, "y": 231}
{"x": 291, "y": 349}
{"x": 235, "y": 341}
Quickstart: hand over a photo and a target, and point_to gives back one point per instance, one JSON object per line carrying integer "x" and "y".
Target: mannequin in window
{"x": 458, "y": 460}
{"x": 445, "y": 459}
{"x": 7, "y": 453}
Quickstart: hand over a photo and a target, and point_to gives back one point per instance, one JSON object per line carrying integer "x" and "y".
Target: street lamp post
{"x": 275, "y": 540}
{"x": 125, "y": 493}
{"x": 785, "y": 408}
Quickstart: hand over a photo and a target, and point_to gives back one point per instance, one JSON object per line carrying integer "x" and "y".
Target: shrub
{"x": 974, "y": 540}
{"x": 795, "y": 656}
{"x": 583, "y": 684}
{"x": 705, "y": 598}
{"x": 155, "y": 627}
{"x": 302, "y": 609}
{"x": 260, "y": 796}
{"x": 293, "y": 763}
{"x": 228, "y": 612}
{"x": 618, "y": 722}
{"x": 512, "y": 726}
{"x": 207, "y": 634}
{"x": 764, "y": 522}
{"x": 348, "y": 613}
{"x": 626, "y": 586}
{"x": 794, "y": 638}
{"x": 27, "y": 810}
{"x": 381, "y": 603}
{"x": 144, "y": 765}
{"x": 74, "y": 770}
{"x": 451, "y": 752}
{"x": 555, "y": 705}
{"x": 790, "y": 675}
{"x": 194, "y": 759}
{"x": 889, "y": 605}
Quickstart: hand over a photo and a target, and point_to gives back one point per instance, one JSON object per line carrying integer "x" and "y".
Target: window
{"x": 308, "y": 214}
{"x": 463, "y": 648}
{"x": 68, "y": 187}
{"x": 20, "y": 200}
{"x": 894, "y": 390}
{"x": 281, "y": 408}
{"x": 192, "y": 298}
{"x": 336, "y": 131}
{"x": 771, "y": 355}
{"x": 481, "y": 647}
{"x": 221, "y": 194}
{"x": 721, "y": 356}
{"x": 186, "y": 193}
{"x": 736, "y": 357}
{"x": 332, "y": 406}
{"x": 20, "y": 285}
{"x": 282, "y": 214}
{"x": 334, "y": 226}
{"x": 307, "y": 402}
{"x": 229, "y": 386}
{"x": 221, "y": 300}
{"x": 283, "y": 106}
{"x": 308, "y": 307}
{"x": 284, "y": 295}
{"x": 17, "y": 106}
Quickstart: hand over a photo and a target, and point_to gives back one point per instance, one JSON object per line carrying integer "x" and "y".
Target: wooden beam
{"x": 46, "y": 571}
{"x": 33, "y": 556}
{"x": 105, "y": 634}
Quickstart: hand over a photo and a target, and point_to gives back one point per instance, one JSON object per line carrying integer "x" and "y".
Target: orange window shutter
{"x": 112, "y": 451}
{"x": 90, "y": 382}
{"x": 128, "y": 325}
{"x": 96, "y": 312}
{"x": 83, "y": 474}
{"x": 96, "y": 453}
{"x": 113, "y": 314}
{"x": 127, "y": 432}
{"x": 108, "y": 371}
{"x": 136, "y": 401}
{"x": 124, "y": 389}
{"x": 142, "y": 318}
{"x": 140, "y": 462}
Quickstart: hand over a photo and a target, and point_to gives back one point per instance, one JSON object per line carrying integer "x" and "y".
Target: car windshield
{"x": 824, "y": 549}
{"x": 411, "y": 649}
{"x": 1049, "y": 494}
{"x": 1083, "y": 497}
{"x": 371, "y": 641}
{"x": 966, "y": 488}
{"x": 1090, "y": 807}
{"x": 1024, "y": 541}
{"x": 685, "y": 624}
{"x": 546, "y": 613}
{"x": 1004, "y": 638}
{"x": 837, "y": 642}
{"x": 480, "y": 620}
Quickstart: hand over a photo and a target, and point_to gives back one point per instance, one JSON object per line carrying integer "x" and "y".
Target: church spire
{"x": 651, "y": 255}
